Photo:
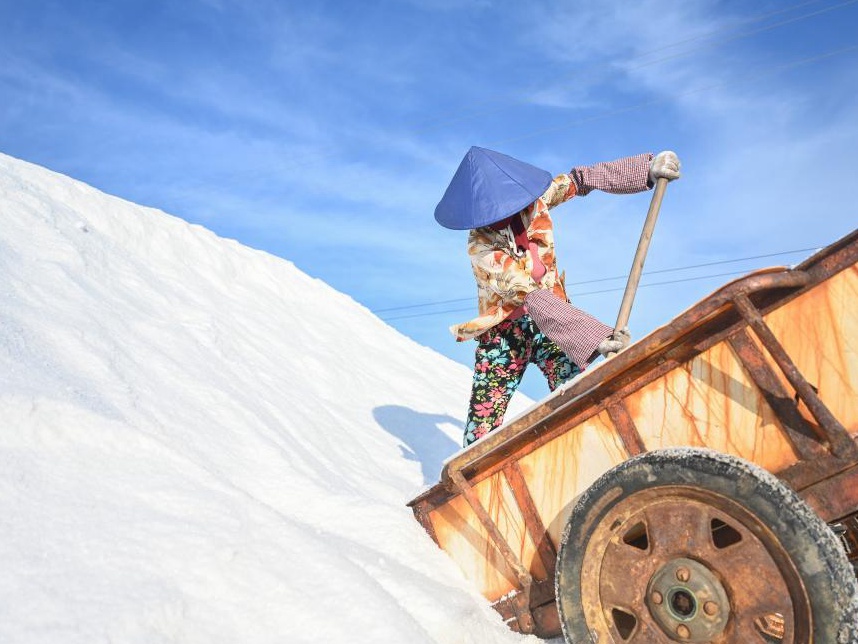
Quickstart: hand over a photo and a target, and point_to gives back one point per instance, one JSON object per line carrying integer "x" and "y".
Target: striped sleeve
{"x": 623, "y": 176}
{"x": 576, "y": 332}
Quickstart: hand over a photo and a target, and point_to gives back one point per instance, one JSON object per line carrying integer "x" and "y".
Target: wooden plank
{"x": 711, "y": 401}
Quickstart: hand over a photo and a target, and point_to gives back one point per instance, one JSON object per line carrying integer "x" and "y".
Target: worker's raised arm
{"x": 622, "y": 176}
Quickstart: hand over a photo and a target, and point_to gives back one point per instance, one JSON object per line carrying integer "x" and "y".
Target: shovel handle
{"x": 640, "y": 254}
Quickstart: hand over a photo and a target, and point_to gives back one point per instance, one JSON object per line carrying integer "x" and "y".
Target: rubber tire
{"x": 811, "y": 545}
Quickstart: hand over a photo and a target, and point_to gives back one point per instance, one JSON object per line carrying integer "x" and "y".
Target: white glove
{"x": 664, "y": 165}
{"x": 618, "y": 341}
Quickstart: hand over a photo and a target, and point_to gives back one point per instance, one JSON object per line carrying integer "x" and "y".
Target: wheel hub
{"x": 688, "y": 601}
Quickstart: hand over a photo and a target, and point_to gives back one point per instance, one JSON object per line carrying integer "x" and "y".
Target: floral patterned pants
{"x": 502, "y": 356}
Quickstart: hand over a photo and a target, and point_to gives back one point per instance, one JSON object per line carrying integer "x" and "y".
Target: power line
{"x": 607, "y": 290}
{"x": 746, "y": 34}
{"x": 684, "y": 279}
{"x": 606, "y": 279}
{"x": 751, "y": 20}
{"x": 690, "y": 266}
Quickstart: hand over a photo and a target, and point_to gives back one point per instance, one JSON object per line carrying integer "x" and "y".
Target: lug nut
{"x": 657, "y": 598}
{"x": 710, "y": 608}
{"x": 683, "y": 632}
{"x": 683, "y": 574}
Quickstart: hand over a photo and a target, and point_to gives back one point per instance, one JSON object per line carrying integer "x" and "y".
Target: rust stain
{"x": 464, "y": 538}
{"x": 710, "y": 401}
{"x": 563, "y": 468}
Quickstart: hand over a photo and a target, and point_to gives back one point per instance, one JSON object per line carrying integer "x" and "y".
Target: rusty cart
{"x": 700, "y": 486}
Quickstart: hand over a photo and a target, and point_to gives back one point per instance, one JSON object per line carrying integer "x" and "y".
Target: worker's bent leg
{"x": 499, "y": 364}
{"x": 552, "y": 362}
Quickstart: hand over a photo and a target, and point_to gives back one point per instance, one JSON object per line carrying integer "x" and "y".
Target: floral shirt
{"x": 505, "y": 274}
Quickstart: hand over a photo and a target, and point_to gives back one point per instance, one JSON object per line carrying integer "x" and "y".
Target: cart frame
{"x": 822, "y": 466}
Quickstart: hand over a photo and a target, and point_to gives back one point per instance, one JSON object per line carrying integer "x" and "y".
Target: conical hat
{"x": 487, "y": 187}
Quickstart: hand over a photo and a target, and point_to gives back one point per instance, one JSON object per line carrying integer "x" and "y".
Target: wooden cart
{"x": 701, "y": 486}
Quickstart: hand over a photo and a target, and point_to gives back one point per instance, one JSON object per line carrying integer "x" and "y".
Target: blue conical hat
{"x": 487, "y": 187}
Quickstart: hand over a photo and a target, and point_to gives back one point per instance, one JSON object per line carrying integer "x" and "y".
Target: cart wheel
{"x": 691, "y": 545}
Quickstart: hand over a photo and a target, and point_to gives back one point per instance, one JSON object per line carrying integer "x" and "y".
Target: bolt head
{"x": 683, "y": 574}
{"x": 657, "y": 598}
{"x": 710, "y": 608}
{"x": 683, "y": 632}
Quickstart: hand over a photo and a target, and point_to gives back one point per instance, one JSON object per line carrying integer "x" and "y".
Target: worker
{"x": 524, "y": 312}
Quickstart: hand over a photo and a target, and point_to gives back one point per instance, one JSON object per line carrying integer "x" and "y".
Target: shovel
{"x": 640, "y": 257}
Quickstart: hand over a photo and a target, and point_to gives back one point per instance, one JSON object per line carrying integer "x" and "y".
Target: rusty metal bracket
{"x": 521, "y": 604}
{"x": 626, "y": 429}
{"x": 839, "y": 439}
{"x": 800, "y": 432}
{"x": 530, "y": 513}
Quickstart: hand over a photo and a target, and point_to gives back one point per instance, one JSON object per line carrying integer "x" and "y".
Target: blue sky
{"x": 325, "y": 132}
